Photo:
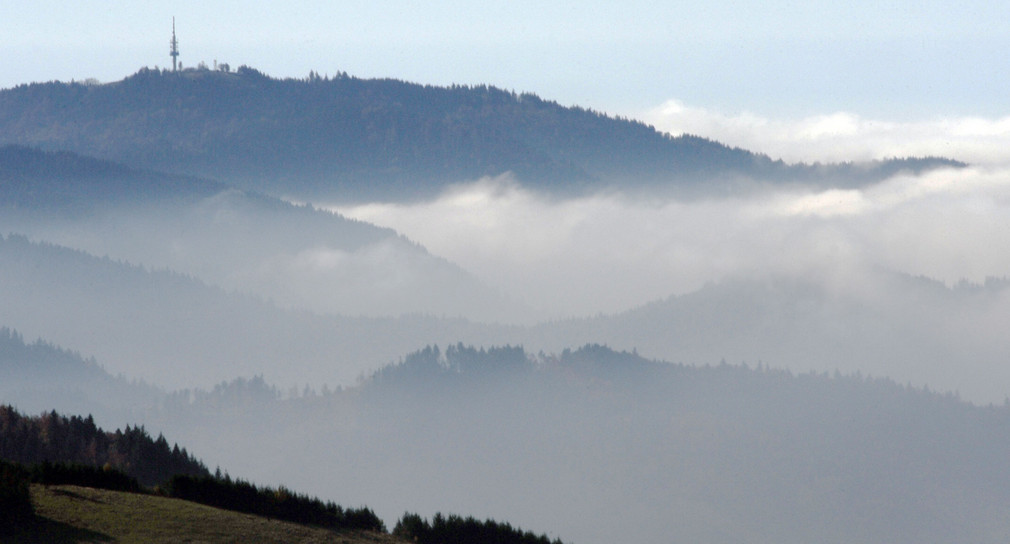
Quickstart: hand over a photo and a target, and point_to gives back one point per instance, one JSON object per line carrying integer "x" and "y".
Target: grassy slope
{"x": 78, "y": 514}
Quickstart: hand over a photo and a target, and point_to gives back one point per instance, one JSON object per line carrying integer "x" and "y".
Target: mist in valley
{"x": 898, "y": 279}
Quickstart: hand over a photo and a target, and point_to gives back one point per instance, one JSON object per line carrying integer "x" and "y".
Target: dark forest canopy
{"x": 54, "y": 438}
{"x": 62, "y": 181}
{"x": 350, "y": 138}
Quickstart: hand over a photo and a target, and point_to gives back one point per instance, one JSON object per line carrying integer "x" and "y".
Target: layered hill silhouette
{"x": 620, "y": 448}
{"x": 910, "y": 329}
{"x": 649, "y": 449}
{"x": 297, "y": 256}
{"x": 176, "y": 331}
{"x": 345, "y": 138}
{"x": 66, "y": 183}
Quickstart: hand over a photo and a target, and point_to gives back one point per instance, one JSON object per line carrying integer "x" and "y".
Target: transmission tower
{"x": 175, "y": 48}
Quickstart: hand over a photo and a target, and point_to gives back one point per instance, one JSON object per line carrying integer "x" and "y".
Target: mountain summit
{"x": 344, "y": 138}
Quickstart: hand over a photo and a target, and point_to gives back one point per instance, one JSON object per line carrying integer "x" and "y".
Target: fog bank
{"x": 610, "y": 252}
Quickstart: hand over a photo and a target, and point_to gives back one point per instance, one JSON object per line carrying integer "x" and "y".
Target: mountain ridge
{"x": 345, "y": 138}
{"x": 236, "y": 238}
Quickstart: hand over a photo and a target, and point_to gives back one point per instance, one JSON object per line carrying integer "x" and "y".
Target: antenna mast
{"x": 175, "y": 47}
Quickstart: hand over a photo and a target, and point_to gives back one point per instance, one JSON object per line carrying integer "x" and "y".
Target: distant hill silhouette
{"x": 175, "y": 331}
{"x": 40, "y": 376}
{"x": 235, "y": 238}
{"x": 895, "y": 325}
{"x": 349, "y": 138}
{"x": 607, "y": 446}
{"x": 61, "y": 181}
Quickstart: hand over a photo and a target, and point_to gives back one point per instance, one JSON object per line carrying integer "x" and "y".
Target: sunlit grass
{"x": 78, "y": 514}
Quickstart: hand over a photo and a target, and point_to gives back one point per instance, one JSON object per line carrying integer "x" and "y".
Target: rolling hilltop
{"x": 345, "y": 138}
{"x": 298, "y": 256}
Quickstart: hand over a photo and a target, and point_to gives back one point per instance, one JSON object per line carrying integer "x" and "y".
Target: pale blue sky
{"x": 897, "y": 60}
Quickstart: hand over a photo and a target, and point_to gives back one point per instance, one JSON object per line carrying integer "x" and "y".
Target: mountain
{"x": 176, "y": 331}
{"x": 68, "y": 183}
{"x": 606, "y": 446}
{"x": 344, "y": 138}
{"x": 39, "y": 376}
{"x": 298, "y": 256}
{"x": 910, "y": 329}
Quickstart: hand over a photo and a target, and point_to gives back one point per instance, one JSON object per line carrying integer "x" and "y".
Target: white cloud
{"x": 842, "y": 136}
{"x": 606, "y": 253}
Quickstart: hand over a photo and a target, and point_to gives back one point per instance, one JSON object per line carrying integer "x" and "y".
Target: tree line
{"x": 281, "y": 503}
{"x": 53, "y": 438}
{"x": 453, "y": 529}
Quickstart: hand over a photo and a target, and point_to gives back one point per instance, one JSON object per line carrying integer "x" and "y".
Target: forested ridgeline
{"x": 20, "y": 360}
{"x": 369, "y": 138}
{"x": 62, "y": 181}
{"x": 54, "y": 438}
{"x": 281, "y": 503}
{"x": 456, "y": 529}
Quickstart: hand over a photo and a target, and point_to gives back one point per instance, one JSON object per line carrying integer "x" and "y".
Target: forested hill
{"x": 62, "y": 181}
{"x": 346, "y": 138}
{"x": 625, "y": 449}
{"x": 59, "y": 439}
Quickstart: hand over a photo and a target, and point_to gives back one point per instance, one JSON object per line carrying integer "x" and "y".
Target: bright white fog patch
{"x": 607, "y": 253}
{"x": 574, "y": 257}
{"x": 981, "y": 186}
{"x": 842, "y": 136}
{"x": 945, "y": 225}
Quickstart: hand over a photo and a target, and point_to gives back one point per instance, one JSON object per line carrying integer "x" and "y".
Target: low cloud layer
{"x": 607, "y": 253}
{"x": 842, "y": 136}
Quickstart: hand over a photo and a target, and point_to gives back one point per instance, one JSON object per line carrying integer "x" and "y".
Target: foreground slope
{"x": 76, "y": 514}
{"x": 351, "y": 139}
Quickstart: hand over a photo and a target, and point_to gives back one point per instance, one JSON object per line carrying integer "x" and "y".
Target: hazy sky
{"x": 894, "y": 60}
